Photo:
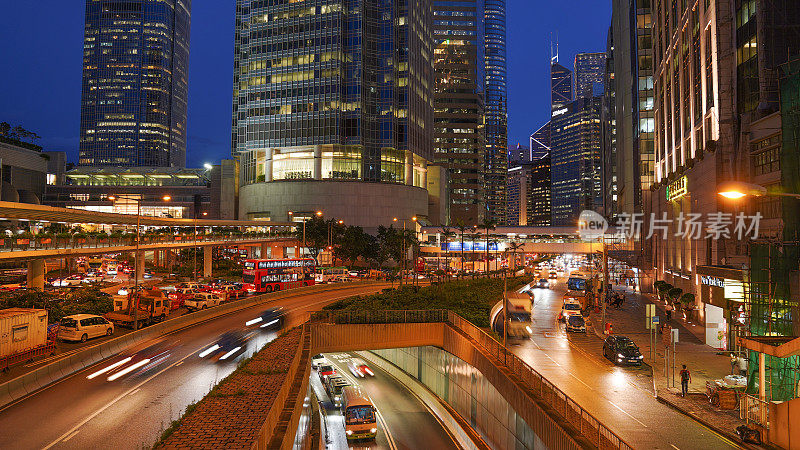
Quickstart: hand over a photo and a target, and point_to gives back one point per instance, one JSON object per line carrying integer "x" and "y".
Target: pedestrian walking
{"x": 734, "y": 364}
{"x": 742, "y": 362}
{"x": 668, "y": 310}
{"x": 686, "y": 378}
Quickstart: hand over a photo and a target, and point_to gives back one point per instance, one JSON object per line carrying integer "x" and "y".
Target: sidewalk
{"x": 704, "y": 362}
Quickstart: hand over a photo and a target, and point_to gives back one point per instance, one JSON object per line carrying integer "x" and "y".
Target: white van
{"x": 81, "y": 327}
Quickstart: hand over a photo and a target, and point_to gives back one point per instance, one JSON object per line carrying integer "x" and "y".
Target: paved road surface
{"x": 410, "y": 425}
{"x": 131, "y": 412}
{"x": 620, "y": 397}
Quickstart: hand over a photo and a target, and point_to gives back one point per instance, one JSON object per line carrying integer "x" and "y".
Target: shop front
{"x": 722, "y": 296}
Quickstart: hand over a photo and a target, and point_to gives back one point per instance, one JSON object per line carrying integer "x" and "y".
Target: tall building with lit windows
{"x": 135, "y": 76}
{"x": 459, "y": 140}
{"x": 333, "y": 108}
{"x": 717, "y": 102}
{"x": 495, "y": 167}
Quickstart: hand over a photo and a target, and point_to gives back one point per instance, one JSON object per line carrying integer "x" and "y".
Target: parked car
{"x": 80, "y": 327}
{"x": 325, "y": 370}
{"x": 621, "y": 350}
{"x": 202, "y": 300}
{"x": 230, "y": 291}
{"x": 570, "y": 307}
{"x": 179, "y": 296}
{"x": 93, "y": 278}
{"x": 575, "y": 323}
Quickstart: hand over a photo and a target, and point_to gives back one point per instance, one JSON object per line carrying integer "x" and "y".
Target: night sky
{"x": 41, "y": 77}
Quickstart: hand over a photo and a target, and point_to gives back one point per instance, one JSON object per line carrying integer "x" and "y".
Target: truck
{"x": 153, "y": 306}
{"x": 23, "y": 335}
{"x": 203, "y": 300}
{"x": 519, "y": 316}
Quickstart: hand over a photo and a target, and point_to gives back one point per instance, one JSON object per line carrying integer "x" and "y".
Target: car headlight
{"x": 619, "y": 355}
{"x": 373, "y": 430}
{"x": 640, "y": 356}
{"x": 336, "y": 398}
{"x": 349, "y": 432}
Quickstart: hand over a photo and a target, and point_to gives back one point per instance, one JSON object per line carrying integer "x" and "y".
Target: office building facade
{"x": 608, "y": 134}
{"x": 495, "y": 166}
{"x": 560, "y": 85}
{"x": 576, "y": 160}
{"x": 333, "y": 109}
{"x": 135, "y": 82}
{"x": 589, "y": 74}
{"x": 459, "y": 140}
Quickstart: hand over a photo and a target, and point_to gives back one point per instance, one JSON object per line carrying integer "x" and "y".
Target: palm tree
{"x": 462, "y": 228}
{"x": 514, "y": 246}
{"x": 447, "y": 233}
{"x": 472, "y": 237}
{"x": 488, "y": 224}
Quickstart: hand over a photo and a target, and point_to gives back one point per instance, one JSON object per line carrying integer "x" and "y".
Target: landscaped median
{"x": 233, "y": 413}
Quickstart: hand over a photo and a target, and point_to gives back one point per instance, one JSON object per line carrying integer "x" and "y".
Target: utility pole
{"x": 505, "y": 307}
{"x": 605, "y": 280}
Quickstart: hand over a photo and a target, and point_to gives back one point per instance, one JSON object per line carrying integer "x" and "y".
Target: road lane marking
{"x": 673, "y": 446}
{"x": 389, "y": 437}
{"x": 112, "y": 402}
{"x": 362, "y": 290}
{"x": 72, "y": 435}
{"x": 626, "y": 413}
{"x": 135, "y": 391}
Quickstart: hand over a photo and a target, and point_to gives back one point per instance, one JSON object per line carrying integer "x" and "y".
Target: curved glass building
{"x": 495, "y": 169}
{"x": 333, "y": 108}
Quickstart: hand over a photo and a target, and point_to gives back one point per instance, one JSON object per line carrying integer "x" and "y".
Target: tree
{"x": 388, "y": 244}
{"x": 488, "y": 224}
{"x": 316, "y": 234}
{"x": 514, "y": 246}
{"x": 447, "y": 233}
{"x": 462, "y": 228}
{"x": 351, "y": 244}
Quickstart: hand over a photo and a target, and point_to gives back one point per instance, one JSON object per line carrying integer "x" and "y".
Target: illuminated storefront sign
{"x": 677, "y": 189}
{"x": 712, "y": 281}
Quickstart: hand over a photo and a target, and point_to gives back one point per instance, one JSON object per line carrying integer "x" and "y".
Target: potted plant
{"x": 687, "y": 301}
{"x": 663, "y": 289}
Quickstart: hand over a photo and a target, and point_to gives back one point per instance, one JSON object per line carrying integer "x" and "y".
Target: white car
{"x": 202, "y": 300}
{"x": 571, "y": 307}
{"x": 81, "y": 327}
{"x": 93, "y": 279}
{"x": 318, "y": 360}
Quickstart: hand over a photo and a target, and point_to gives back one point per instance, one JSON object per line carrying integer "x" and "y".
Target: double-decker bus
{"x": 268, "y": 275}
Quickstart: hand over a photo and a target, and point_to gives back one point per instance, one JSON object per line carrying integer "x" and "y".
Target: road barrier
{"x": 41, "y": 377}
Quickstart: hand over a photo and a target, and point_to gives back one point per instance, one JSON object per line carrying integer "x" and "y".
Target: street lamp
{"x": 138, "y": 201}
{"x": 735, "y": 190}
{"x": 403, "y": 241}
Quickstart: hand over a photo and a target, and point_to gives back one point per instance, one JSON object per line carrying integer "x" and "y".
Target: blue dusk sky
{"x": 41, "y": 78}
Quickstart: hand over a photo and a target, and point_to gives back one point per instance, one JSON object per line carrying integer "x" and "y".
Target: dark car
{"x": 272, "y": 319}
{"x": 621, "y": 350}
{"x": 228, "y": 345}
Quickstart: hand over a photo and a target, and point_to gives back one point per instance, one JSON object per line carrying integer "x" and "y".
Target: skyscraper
{"x": 575, "y": 158}
{"x": 589, "y": 74}
{"x": 333, "y": 109}
{"x": 560, "y": 85}
{"x": 495, "y": 169}
{"x": 459, "y": 69}
{"x": 134, "y": 90}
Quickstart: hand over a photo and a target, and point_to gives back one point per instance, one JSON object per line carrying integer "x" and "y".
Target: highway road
{"x": 403, "y": 420}
{"x": 620, "y": 397}
{"x": 132, "y": 411}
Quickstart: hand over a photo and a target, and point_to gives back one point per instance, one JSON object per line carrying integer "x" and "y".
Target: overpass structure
{"x": 514, "y": 407}
{"x": 207, "y": 234}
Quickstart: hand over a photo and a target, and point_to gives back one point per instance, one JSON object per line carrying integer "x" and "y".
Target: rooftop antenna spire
{"x": 553, "y": 55}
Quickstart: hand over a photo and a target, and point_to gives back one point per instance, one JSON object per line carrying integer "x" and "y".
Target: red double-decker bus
{"x": 268, "y": 275}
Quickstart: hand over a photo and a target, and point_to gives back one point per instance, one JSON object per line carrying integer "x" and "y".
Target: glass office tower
{"x": 330, "y": 95}
{"x": 459, "y": 140}
{"x": 560, "y": 85}
{"x": 135, "y": 75}
{"x": 495, "y": 169}
{"x": 590, "y": 69}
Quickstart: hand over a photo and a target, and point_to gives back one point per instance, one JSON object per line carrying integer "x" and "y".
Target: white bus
{"x": 331, "y": 274}
{"x": 359, "y": 414}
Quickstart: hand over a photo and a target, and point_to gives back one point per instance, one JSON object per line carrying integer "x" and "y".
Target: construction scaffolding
{"x": 771, "y": 309}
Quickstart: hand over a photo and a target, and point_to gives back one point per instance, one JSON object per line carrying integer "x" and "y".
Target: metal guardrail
{"x": 754, "y": 410}
{"x": 597, "y": 433}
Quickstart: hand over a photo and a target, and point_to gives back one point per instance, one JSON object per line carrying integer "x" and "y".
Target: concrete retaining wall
{"x": 23, "y": 385}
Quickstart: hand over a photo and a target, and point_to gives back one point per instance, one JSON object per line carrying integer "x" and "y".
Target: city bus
{"x": 268, "y": 275}
{"x": 577, "y": 281}
{"x": 331, "y": 274}
{"x": 359, "y": 414}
